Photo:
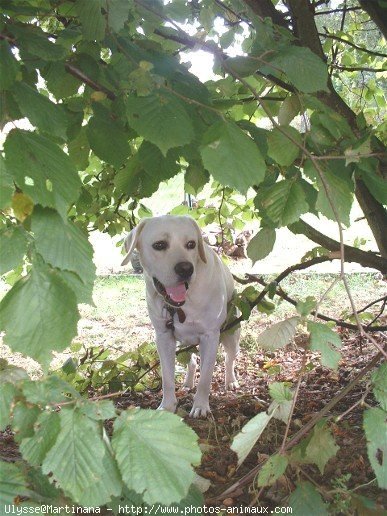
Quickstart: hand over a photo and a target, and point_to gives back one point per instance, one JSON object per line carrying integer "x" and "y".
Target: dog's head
{"x": 170, "y": 249}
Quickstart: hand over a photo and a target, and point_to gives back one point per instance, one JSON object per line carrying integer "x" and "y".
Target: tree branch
{"x": 333, "y": 11}
{"x": 251, "y": 278}
{"x": 90, "y": 82}
{"x": 352, "y": 254}
{"x": 307, "y": 33}
{"x": 377, "y": 14}
{"x": 357, "y": 68}
{"x": 266, "y": 9}
{"x": 349, "y": 43}
{"x": 249, "y": 477}
{"x": 74, "y": 71}
{"x": 278, "y": 279}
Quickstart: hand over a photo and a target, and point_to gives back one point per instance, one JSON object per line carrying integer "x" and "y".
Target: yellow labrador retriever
{"x": 187, "y": 291}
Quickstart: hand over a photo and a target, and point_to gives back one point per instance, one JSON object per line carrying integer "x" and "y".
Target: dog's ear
{"x": 202, "y": 252}
{"x": 130, "y": 242}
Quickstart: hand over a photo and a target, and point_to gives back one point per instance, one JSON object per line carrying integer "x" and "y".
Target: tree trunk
{"x": 304, "y": 28}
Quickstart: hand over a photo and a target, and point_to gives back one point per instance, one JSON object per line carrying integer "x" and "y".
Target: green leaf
{"x": 231, "y": 156}
{"x": 284, "y": 202}
{"x": 375, "y": 428}
{"x": 161, "y": 119}
{"x": 33, "y": 40}
{"x": 8, "y": 66}
{"x": 136, "y": 181}
{"x": 13, "y": 483}
{"x": 107, "y": 138}
{"x": 280, "y": 148}
{"x": 340, "y": 190}
{"x": 110, "y": 482}
{"x": 23, "y": 419}
{"x": 7, "y": 395}
{"x": 10, "y": 373}
{"x": 92, "y": 19}
{"x": 39, "y": 314}
{"x": 272, "y": 470}
{"x": 325, "y": 340}
{"x": 147, "y": 442}
{"x": 80, "y": 462}
{"x": 83, "y": 288}
{"x": 244, "y": 441}
{"x": 279, "y": 334}
{"x": 46, "y": 429}
{"x": 117, "y": 14}
{"x": 13, "y": 247}
{"x": 155, "y": 164}
{"x": 79, "y": 150}
{"x": 306, "y": 500}
{"x": 48, "y": 391}
{"x": 305, "y": 307}
{"x": 243, "y": 65}
{"x": 375, "y": 183}
{"x": 261, "y": 244}
{"x": 283, "y": 401}
{"x": 98, "y": 410}
{"x": 290, "y": 107}
{"x": 6, "y": 186}
{"x": 40, "y": 484}
{"x": 321, "y": 446}
{"x": 42, "y": 170}
{"x": 304, "y": 69}
{"x": 195, "y": 178}
{"x": 379, "y": 381}
{"x": 59, "y": 81}
{"x": 63, "y": 245}
{"x": 280, "y": 392}
{"x": 40, "y": 111}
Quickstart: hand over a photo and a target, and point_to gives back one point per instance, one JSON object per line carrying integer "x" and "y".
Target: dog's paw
{"x": 202, "y": 410}
{"x": 169, "y": 407}
{"x": 188, "y": 386}
{"x": 232, "y": 386}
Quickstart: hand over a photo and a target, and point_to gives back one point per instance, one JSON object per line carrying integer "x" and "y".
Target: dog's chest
{"x": 195, "y": 325}
{"x": 189, "y": 332}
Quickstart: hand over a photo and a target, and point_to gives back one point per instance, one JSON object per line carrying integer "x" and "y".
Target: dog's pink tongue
{"x": 177, "y": 293}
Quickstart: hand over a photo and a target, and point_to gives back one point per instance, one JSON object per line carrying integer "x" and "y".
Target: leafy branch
{"x": 249, "y": 477}
{"x": 351, "y": 44}
{"x": 251, "y": 278}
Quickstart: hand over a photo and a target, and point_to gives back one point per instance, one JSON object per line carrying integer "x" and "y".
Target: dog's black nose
{"x": 184, "y": 270}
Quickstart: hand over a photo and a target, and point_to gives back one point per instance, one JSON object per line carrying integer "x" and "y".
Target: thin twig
{"x": 122, "y": 393}
{"x": 324, "y": 295}
{"x": 250, "y": 278}
{"x": 352, "y": 407}
{"x": 304, "y": 430}
{"x": 294, "y": 401}
{"x": 326, "y": 188}
{"x": 362, "y": 49}
{"x": 384, "y": 298}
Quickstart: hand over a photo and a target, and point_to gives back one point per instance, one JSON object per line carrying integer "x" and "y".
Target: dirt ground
{"x": 120, "y": 321}
{"x": 348, "y": 472}
{"x": 230, "y": 411}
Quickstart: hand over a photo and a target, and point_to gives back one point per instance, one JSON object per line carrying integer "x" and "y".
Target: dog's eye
{"x": 161, "y": 245}
{"x": 191, "y": 244}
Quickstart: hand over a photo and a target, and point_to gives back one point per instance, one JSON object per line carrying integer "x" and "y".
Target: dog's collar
{"x": 170, "y": 325}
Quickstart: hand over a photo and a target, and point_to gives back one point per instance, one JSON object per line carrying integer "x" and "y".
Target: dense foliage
{"x": 293, "y": 117}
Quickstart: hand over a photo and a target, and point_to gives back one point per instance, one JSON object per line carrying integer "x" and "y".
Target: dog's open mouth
{"x": 174, "y": 296}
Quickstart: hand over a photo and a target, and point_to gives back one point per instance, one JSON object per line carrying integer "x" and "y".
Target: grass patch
{"x": 120, "y": 314}
{"x": 119, "y": 320}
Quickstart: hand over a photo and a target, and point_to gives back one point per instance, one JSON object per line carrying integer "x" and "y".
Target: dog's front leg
{"x": 166, "y": 347}
{"x": 208, "y": 347}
